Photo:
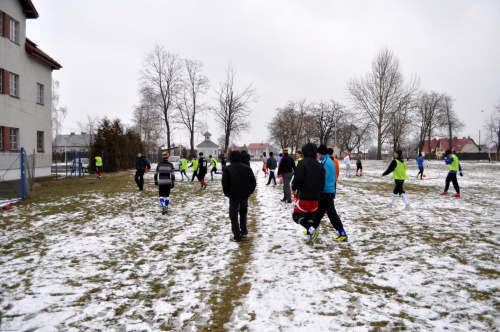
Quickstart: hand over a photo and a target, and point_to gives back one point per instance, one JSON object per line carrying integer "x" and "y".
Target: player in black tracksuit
{"x": 238, "y": 183}
{"x": 202, "y": 170}
{"x": 140, "y": 165}
{"x": 165, "y": 180}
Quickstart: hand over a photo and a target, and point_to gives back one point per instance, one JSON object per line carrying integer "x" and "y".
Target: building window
{"x": 1, "y": 23}
{"x": 39, "y": 141}
{"x": 1, "y": 137}
{"x": 14, "y": 138}
{"x": 14, "y": 31}
{"x": 14, "y": 85}
{"x": 39, "y": 93}
{"x": 1, "y": 78}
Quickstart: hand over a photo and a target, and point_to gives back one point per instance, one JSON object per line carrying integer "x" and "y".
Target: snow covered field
{"x": 113, "y": 263}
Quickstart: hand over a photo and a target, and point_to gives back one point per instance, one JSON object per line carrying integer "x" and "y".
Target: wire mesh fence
{"x": 17, "y": 174}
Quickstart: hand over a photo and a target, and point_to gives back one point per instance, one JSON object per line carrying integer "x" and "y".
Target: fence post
{"x": 23, "y": 176}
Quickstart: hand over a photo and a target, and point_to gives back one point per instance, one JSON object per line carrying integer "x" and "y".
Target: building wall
{"x": 24, "y": 112}
{"x": 209, "y": 151}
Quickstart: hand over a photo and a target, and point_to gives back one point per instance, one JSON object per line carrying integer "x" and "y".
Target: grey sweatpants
{"x": 287, "y": 192}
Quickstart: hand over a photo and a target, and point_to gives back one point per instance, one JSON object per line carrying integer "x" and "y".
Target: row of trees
{"x": 173, "y": 94}
{"x": 384, "y": 106}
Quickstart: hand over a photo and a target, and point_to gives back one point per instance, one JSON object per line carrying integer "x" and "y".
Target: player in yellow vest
{"x": 398, "y": 169}
{"x": 454, "y": 167}
{"x": 98, "y": 166}
{"x": 184, "y": 166}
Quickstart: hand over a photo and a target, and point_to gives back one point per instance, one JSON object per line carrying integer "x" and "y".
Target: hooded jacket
{"x": 238, "y": 180}
{"x": 244, "y": 157}
{"x": 309, "y": 177}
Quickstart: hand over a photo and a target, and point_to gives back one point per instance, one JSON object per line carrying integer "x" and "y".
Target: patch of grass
{"x": 121, "y": 309}
{"x": 232, "y": 288}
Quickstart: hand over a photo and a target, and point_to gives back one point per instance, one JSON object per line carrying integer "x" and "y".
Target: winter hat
{"x": 322, "y": 149}
{"x": 330, "y": 151}
{"x": 285, "y": 150}
{"x": 447, "y": 152}
{"x": 165, "y": 155}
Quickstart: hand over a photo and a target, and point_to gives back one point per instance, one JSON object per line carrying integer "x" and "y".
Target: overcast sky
{"x": 287, "y": 49}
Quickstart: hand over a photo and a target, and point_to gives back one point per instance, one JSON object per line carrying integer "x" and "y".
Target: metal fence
{"x": 74, "y": 163}
{"x": 17, "y": 175}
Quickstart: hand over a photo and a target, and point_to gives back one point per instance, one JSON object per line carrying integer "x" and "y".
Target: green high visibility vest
{"x": 195, "y": 164}
{"x": 454, "y": 164}
{"x": 98, "y": 161}
{"x": 400, "y": 172}
{"x": 184, "y": 163}
{"x": 214, "y": 162}
{"x": 297, "y": 162}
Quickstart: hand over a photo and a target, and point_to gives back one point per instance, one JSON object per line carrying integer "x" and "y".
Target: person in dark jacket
{"x": 398, "y": 169}
{"x": 286, "y": 169}
{"x": 327, "y": 199}
{"x": 245, "y": 157}
{"x": 223, "y": 161}
{"x": 141, "y": 165}
{"x": 308, "y": 182}
{"x": 271, "y": 166}
{"x": 238, "y": 183}
{"x": 165, "y": 180}
{"x": 202, "y": 170}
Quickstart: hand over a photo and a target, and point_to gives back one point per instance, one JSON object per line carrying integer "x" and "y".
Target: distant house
{"x": 73, "y": 142}
{"x": 256, "y": 150}
{"x": 208, "y": 147}
{"x": 25, "y": 87}
{"x": 238, "y": 148}
{"x": 459, "y": 145}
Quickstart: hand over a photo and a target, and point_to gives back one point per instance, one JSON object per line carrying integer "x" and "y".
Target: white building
{"x": 25, "y": 87}
{"x": 208, "y": 147}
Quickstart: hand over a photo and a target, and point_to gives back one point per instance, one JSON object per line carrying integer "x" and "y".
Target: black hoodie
{"x": 238, "y": 180}
{"x": 309, "y": 177}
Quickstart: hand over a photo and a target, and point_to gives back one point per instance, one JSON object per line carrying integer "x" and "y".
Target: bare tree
{"x": 353, "y": 130}
{"x": 162, "y": 72}
{"x": 147, "y": 117}
{"x": 382, "y": 93}
{"x": 58, "y": 113}
{"x": 492, "y": 126}
{"x": 428, "y": 108}
{"x": 449, "y": 118}
{"x": 89, "y": 127}
{"x": 400, "y": 125}
{"x": 280, "y": 129}
{"x": 194, "y": 85}
{"x": 327, "y": 116}
{"x": 233, "y": 107}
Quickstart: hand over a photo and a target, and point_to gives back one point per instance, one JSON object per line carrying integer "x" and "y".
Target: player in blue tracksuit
{"x": 420, "y": 163}
{"x": 326, "y": 200}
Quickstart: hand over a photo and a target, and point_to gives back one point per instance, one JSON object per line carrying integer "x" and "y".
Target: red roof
{"x": 457, "y": 144}
{"x": 434, "y": 144}
{"x": 236, "y": 148}
{"x": 258, "y": 146}
{"x": 32, "y": 49}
